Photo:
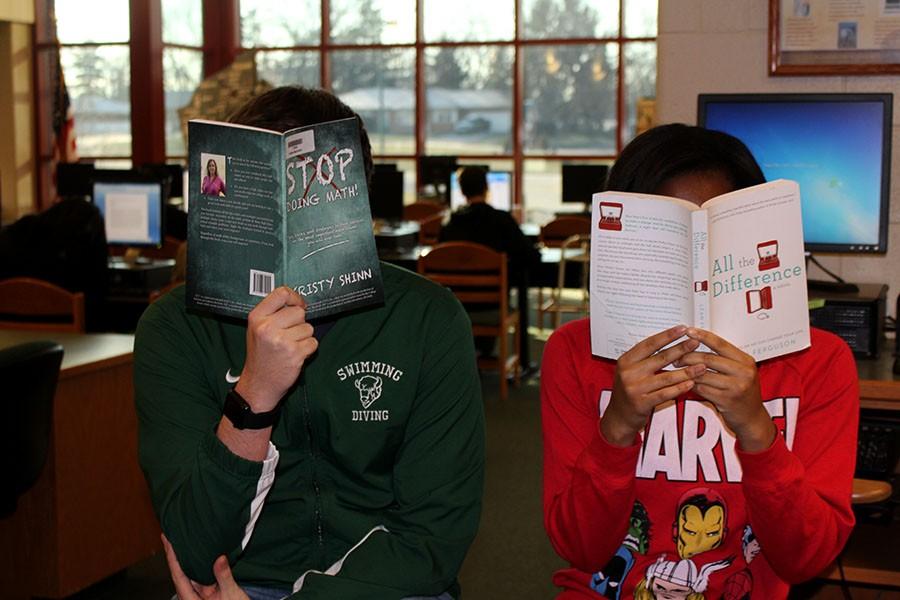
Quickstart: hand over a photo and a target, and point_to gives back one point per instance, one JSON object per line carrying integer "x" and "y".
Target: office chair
{"x": 29, "y": 373}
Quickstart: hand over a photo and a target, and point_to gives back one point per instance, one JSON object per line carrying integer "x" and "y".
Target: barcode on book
{"x": 261, "y": 283}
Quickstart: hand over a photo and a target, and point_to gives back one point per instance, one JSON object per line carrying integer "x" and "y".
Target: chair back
{"x": 28, "y": 303}
{"x": 475, "y": 273}
{"x": 29, "y": 373}
{"x": 419, "y": 211}
{"x": 430, "y": 230}
{"x": 557, "y": 231}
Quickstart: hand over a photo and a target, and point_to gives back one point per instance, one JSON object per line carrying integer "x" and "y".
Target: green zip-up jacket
{"x": 373, "y": 484}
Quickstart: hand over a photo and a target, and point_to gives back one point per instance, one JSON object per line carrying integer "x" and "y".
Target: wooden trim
{"x": 148, "y": 118}
{"x": 869, "y": 61}
{"x": 221, "y": 34}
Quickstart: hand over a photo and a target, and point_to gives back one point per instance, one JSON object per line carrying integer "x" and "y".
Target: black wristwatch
{"x": 242, "y": 416}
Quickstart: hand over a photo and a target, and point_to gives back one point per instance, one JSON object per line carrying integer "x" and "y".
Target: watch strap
{"x": 241, "y": 415}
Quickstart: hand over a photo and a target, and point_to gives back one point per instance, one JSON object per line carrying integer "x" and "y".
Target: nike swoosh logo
{"x": 231, "y": 378}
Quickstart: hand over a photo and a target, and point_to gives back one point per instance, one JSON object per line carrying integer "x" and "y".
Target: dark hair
{"x": 291, "y": 106}
{"x": 667, "y": 151}
{"x": 473, "y": 181}
{"x": 212, "y": 161}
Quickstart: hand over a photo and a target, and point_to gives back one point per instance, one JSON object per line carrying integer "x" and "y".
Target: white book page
{"x": 641, "y": 263}
{"x": 757, "y": 269}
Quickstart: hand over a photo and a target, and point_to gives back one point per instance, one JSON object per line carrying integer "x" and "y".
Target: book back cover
{"x": 234, "y": 218}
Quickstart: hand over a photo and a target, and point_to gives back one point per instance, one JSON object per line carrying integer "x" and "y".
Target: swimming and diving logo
{"x": 369, "y": 379}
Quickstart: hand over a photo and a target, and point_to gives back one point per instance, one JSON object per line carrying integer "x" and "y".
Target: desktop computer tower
{"x": 857, "y": 317}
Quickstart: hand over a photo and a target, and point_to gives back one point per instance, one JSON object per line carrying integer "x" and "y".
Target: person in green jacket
{"x": 356, "y": 468}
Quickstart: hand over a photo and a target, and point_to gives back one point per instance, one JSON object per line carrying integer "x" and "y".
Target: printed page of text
{"x": 640, "y": 269}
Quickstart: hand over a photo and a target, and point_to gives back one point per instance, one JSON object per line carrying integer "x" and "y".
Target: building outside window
{"x": 521, "y": 85}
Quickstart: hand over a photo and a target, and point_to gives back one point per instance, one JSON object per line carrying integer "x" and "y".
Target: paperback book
{"x": 269, "y": 209}
{"x": 734, "y": 266}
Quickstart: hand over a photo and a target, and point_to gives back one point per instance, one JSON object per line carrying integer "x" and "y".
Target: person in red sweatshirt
{"x": 721, "y": 478}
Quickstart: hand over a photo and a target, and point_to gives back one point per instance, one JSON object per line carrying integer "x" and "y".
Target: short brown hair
{"x": 290, "y": 106}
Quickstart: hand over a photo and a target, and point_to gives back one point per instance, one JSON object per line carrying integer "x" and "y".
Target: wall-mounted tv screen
{"x": 132, "y": 209}
{"x": 836, "y": 146}
{"x": 580, "y": 182}
{"x": 499, "y": 190}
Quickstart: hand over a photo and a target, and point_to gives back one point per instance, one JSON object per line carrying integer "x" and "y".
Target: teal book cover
{"x": 268, "y": 209}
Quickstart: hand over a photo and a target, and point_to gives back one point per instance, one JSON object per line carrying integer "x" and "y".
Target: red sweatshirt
{"x": 686, "y": 513}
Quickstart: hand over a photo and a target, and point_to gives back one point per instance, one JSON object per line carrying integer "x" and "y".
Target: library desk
{"x": 872, "y": 555}
{"x": 89, "y": 515}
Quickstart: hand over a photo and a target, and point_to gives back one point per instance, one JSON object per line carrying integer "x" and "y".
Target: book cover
{"x": 734, "y": 266}
{"x": 270, "y": 209}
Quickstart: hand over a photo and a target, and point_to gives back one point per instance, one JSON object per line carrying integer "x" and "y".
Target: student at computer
{"x": 480, "y": 222}
{"x": 721, "y": 478}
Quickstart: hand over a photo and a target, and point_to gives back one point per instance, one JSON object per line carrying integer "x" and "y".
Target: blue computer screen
{"x": 132, "y": 212}
{"x": 835, "y": 147}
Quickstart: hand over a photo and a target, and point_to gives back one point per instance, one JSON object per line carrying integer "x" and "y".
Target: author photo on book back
{"x": 699, "y": 436}
{"x": 213, "y": 182}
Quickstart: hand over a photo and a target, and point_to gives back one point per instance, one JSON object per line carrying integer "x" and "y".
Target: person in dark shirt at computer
{"x": 480, "y": 222}
{"x": 65, "y": 245}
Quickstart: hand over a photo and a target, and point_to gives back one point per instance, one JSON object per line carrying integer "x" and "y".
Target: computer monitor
{"x": 434, "y": 175}
{"x": 499, "y": 188}
{"x": 836, "y": 146}
{"x": 580, "y": 182}
{"x": 386, "y": 195}
{"x": 132, "y": 209}
{"x": 172, "y": 172}
{"x": 74, "y": 179}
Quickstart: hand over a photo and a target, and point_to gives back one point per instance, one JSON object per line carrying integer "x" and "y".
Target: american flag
{"x": 64, "y": 149}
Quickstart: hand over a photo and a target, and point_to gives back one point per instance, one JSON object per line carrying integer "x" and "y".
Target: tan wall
{"x": 716, "y": 46}
{"x": 17, "y": 11}
{"x": 16, "y": 122}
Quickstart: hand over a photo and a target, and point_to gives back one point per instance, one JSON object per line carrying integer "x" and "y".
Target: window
{"x": 94, "y": 54}
{"x": 527, "y": 83}
{"x": 182, "y": 36}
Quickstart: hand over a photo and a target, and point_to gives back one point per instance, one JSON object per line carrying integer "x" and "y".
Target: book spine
{"x": 281, "y": 267}
{"x": 700, "y": 268}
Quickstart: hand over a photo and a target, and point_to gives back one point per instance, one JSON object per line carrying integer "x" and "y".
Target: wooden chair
{"x": 576, "y": 249}
{"x": 27, "y": 303}
{"x": 419, "y": 211}
{"x": 430, "y": 230}
{"x": 556, "y": 234}
{"x": 477, "y": 276}
{"x": 869, "y": 491}
{"x": 557, "y": 231}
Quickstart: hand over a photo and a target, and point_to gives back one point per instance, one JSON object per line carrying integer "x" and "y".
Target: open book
{"x": 734, "y": 266}
{"x": 270, "y": 208}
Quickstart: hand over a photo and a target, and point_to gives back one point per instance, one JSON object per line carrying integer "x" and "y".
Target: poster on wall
{"x": 834, "y": 37}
